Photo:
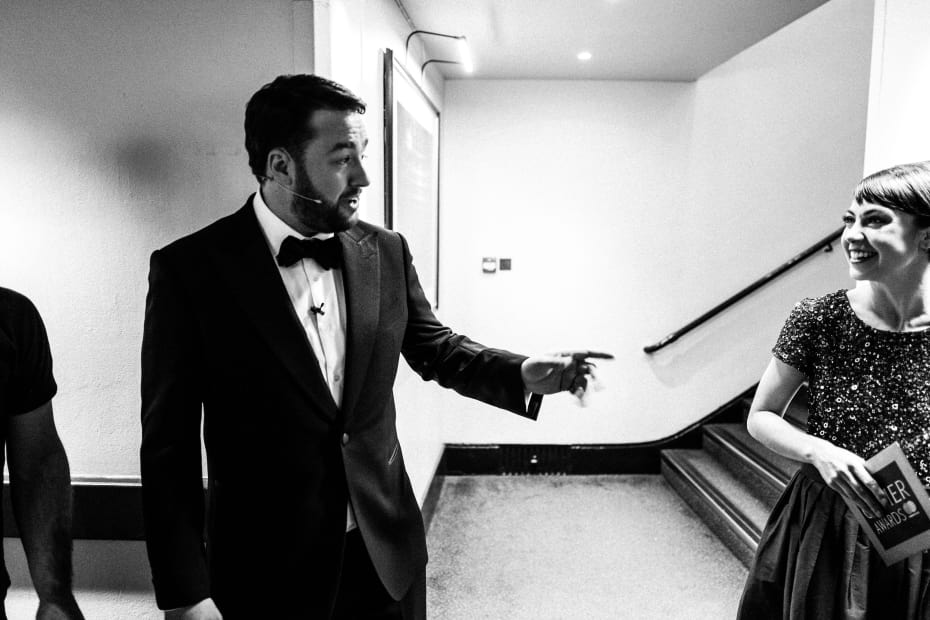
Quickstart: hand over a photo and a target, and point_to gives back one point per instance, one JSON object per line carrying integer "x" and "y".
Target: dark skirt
{"x": 815, "y": 563}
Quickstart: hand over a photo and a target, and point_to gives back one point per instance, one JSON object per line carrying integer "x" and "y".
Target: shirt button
{"x": 345, "y": 438}
{"x": 337, "y": 377}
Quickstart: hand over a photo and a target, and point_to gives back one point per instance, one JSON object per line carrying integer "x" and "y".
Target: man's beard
{"x": 325, "y": 217}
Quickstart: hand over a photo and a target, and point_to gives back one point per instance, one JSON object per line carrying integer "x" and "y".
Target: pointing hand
{"x": 566, "y": 371}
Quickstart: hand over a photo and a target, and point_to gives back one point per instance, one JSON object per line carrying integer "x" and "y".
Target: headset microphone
{"x": 316, "y": 200}
{"x": 319, "y": 202}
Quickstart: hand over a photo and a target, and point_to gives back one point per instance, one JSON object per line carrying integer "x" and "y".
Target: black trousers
{"x": 362, "y": 595}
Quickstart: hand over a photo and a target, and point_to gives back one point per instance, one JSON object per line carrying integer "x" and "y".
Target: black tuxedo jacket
{"x": 221, "y": 335}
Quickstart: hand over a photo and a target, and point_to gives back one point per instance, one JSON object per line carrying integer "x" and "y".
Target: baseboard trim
{"x": 552, "y": 459}
{"x": 581, "y": 459}
{"x": 112, "y": 510}
{"x": 103, "y": 510}
{"x": 557, "y": 459}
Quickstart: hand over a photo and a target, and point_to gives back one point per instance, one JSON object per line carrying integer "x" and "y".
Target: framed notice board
{"x": 411, "y": 175}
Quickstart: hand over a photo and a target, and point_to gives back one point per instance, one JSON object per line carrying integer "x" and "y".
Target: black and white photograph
{"x": 465, "y": 309}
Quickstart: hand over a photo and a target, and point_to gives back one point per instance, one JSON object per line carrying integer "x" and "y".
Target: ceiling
{"x": 627, "y": 39}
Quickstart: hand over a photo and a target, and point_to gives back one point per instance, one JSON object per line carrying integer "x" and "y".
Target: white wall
{"x": 899, "y": 98}
{"x": 573, "y": 181}
{"x": 777, "y": 148}
{"x": 122, "y": 130}
{"x": 631, "y": 208}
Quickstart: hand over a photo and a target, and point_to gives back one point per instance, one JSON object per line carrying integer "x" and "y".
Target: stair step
{"x": 734, "y": 482}
{"x": 760, "y": 469}
{"x": 728, "y": 506}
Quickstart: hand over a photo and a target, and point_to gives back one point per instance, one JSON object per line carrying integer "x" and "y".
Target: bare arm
{"x": 840, "y": 469}
{"x": 40, "y": 490}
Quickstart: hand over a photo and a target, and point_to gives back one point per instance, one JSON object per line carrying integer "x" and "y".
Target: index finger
{"x": 580, "y": 356}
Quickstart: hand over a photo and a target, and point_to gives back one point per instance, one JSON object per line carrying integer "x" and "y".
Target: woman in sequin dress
{"x": 865, "y": 354}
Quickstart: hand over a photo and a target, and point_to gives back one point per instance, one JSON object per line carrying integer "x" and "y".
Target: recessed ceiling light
{"x": 584, "y": 55}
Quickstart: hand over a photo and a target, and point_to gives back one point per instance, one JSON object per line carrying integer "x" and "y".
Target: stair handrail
{"x": 825, "y": 244}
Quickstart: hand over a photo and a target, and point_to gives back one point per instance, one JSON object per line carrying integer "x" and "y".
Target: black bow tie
{"x": 326, "y": 252}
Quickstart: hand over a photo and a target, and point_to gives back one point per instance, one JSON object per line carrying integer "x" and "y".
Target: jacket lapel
{"x": 243, "y": 260}
{"x": 362, "y": 285}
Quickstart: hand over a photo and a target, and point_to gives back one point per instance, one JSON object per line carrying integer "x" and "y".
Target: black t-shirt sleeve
{"x": 26, "y": 378}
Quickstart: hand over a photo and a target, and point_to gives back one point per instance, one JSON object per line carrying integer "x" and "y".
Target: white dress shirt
{"x": 309, "y": 285}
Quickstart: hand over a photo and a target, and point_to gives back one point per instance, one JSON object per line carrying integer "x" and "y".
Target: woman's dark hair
{"x": 905, "y": 188}
{"x": 277, "y": 115}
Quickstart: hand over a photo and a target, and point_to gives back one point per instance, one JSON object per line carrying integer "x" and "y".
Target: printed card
{"x": 903, "y": 529}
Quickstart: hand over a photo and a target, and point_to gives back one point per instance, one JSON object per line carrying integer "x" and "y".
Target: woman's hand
{"x": 845, "y": 473}
{"x": 841, "y": 470}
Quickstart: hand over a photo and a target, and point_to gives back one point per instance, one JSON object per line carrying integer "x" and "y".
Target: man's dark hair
{"x": 278, "y": 114}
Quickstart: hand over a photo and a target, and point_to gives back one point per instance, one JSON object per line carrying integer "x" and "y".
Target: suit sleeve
{"x": 454, "y": 361}
{"x": 172, "y": 483}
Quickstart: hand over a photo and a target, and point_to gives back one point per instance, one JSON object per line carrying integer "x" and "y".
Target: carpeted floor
{"x": 566, "y": 547}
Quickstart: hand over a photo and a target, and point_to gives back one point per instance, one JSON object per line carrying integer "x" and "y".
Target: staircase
{"x": 733, "y": 481}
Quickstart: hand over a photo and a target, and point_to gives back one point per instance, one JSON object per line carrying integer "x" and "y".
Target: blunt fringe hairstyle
{"x": 277, "y": 115}
{"x": 905, "y": 188}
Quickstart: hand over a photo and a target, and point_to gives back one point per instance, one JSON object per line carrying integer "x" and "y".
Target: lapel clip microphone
{"x": 318, "y": 310}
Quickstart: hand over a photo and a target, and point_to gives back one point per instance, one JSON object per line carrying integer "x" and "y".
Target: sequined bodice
{"x": 866, "y": 387}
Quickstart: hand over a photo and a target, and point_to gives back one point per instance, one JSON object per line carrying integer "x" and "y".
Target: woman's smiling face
{"x": 881, "y": 243}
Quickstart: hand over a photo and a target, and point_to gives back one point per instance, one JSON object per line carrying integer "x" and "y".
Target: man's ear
{"x": 925, "y": 240}
{"x": 280, "y": 166}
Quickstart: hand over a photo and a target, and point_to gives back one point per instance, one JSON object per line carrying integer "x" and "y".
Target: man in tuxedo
{"x": 285, "y": 322}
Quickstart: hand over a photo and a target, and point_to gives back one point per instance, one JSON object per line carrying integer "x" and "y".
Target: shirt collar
{"x": 273, "y": 227}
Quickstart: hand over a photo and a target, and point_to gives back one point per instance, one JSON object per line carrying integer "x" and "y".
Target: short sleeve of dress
{"x": 27, "y": 381}
{"x": 795, "y": 342}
